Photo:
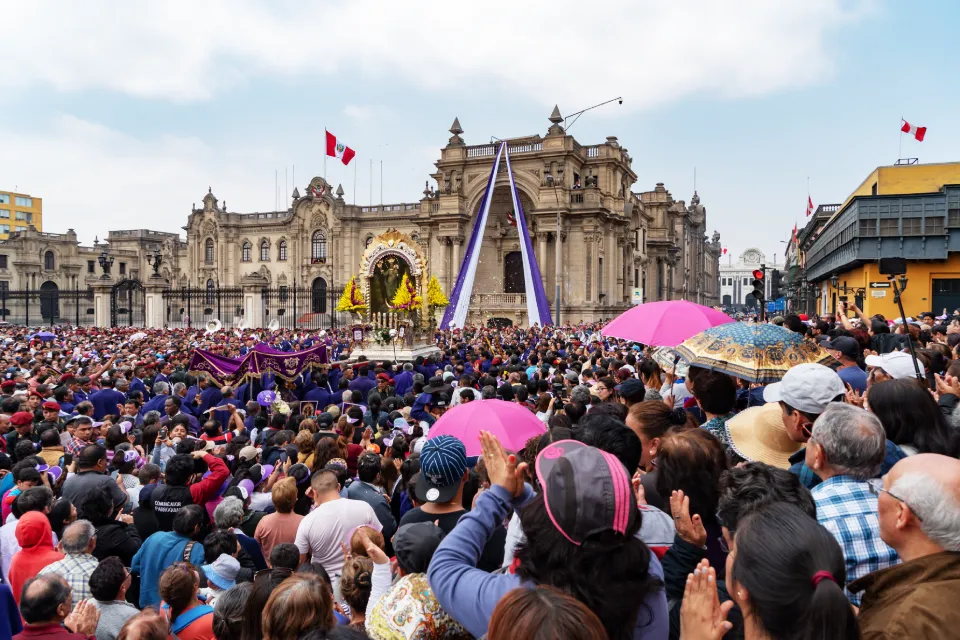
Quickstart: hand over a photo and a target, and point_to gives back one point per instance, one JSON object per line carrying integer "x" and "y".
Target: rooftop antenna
{"x": 694, "y": 179}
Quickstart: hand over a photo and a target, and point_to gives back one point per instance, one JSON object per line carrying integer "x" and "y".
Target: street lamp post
{"x": 155, "y": 260}
{"x": 106, "y": 261}
{"x": 573, "y": 117}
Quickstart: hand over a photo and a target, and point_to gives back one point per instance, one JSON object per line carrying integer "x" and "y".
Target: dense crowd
{"x": 142, "y": 501}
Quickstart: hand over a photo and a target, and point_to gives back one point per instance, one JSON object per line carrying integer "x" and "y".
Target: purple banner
{"x": 287, "y": 365}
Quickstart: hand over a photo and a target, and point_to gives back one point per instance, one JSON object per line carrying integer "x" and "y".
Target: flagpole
{"x": 900, "y": 148}
{"x": 381, "y": 182}
{"x": 371, "y": 183}
{"x": 325, "y": 154}
{"x": 355, "y": 184}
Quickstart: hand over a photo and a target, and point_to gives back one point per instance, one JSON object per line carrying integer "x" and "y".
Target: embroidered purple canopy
{"x": 287, "y": 365}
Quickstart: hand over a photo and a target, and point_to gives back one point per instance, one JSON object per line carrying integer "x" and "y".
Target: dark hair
{"x": 229, "y": 609}
{"x": 26, "y": 471}
{"x": 59, "y": 513}
{"x": 33, "y": 499}
{"x": 613, "y": 409}
{"x": 543, "y": 613}
{"x": 90, "y": 455}
{"x": 574, "y": 410}
{"x": 114, "y": 437}
{"x": 779, "y": 550}
{"x": 611, "y": 435}
{"x": 716, "y": 392}
{"x": 177, "y": 585}
{"x": 692, "y": 461}
{"x": 609, "y": 572}
{"x": 794, "y": 323}
{"x": 50, "y": 438}
{"x": 218, "y": 543}
{"x": 41, "y": 605}
{"x": 188, "y": 519}
{"x": 97, "y": 506}
{"x": 368, "y": 466}
{"x": 285, "y": 554}
{"x": 655, "y": 418}
{"x": 107, "y": 578}
{"x": 178, "y": 470}
{"x": 910, "y": 416}
{"x": 754, "y": 486}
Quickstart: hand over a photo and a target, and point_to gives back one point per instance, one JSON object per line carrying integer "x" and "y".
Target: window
{"x": 208, "y": 251}
{"x": 5, "y": 213}
{"x": 282, "y": 250}
{"x": 284, "y": 292}
{"x": 123, "y": 268}
{"x": 933, "y": 226}
{"x": 746, "y": 281}
{"x": 91, "y": 266}
{"x": 873, "y": 189}
{"x": 24, "y": 216}
{"x": 264, "y": 251}
{"x": 245, "y": 252}
{"x": 4, "y": 228}
{"x": 22, "y": 201}
{"x": 868, "y": 227}
{"x": 318, "y": 248}
{"x": 636, "y": 278}
{"x": 4, "y": 285}
{"x": 888, "y": 227}
{"x": 49, "y": 261}
{"x": 3, "y": 261}
{"x": 4, "y": 198}
{"x": 953, "y": 218}
{"x": 211, "y": 287}
{"x": 913, "y": 226}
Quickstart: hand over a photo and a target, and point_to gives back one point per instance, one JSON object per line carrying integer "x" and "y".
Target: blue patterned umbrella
{"x": 756, "y": 352}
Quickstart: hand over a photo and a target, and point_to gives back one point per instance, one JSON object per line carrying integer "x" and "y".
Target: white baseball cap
{"x": 806, "y": 387}
{"x": 899, "y": 364}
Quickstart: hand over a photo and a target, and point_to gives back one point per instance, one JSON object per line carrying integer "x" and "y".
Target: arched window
{"x": 245, "y": 252}
{"x": 210, "y": 291}
{"x": 282, "y": 250}
{"x": 264, "y": 251}
{"x": 208, "y": 251}
{"x": 49, "y": 261}
{"x": 318, "y": 247}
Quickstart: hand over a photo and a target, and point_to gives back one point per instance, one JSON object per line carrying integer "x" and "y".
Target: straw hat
{"x": 758, "y": 434}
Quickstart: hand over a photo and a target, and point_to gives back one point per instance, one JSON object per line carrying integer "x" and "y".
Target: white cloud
{"x": 650, "y": 51}
{"x": 94, "y": 179}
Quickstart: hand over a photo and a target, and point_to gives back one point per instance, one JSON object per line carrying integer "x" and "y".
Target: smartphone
{"x": 163, "y": 433}
{"x": 67, "y": 459}
{"x": 283, "y": 457}
{"x": 842, "y": 298}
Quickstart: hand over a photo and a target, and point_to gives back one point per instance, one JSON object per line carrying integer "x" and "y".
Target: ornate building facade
{"x": 616, "y": 247}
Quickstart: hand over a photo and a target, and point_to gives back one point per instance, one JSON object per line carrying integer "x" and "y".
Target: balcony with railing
{"x": 494, "y": 301}
{"x": 661, "y": 236}
{"x": 484, "y": 150}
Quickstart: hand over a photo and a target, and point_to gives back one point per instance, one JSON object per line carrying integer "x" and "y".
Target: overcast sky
{"x": 120, "y": 115}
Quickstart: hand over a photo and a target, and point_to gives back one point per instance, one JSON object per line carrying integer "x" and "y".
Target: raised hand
{"x": 702, "y": 617}
{"x": 501, "y": 468}
{"x": 690, "y": 529}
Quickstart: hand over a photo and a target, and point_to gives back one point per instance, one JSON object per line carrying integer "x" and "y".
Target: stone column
{"x": 101, "y": 302}
{"x": 542, "y": 257}
{"x": 155, "y": 309}
{"x": 457, "y": 241}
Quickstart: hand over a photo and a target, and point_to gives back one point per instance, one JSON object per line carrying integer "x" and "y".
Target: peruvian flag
{"x": 336, "y": 149}
{"x": 809, "y": 205}
{"x": 724, "y": 251}
{"x": 915, "y": 131}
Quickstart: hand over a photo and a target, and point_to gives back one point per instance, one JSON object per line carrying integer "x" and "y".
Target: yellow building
{"x": 901, "y": 211}
{"x": 18, "y": 211}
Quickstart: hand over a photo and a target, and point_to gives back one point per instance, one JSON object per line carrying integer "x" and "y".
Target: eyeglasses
{"x": 876, "y": 486}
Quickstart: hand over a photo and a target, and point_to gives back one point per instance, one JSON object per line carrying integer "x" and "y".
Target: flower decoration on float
{"x": 352, "y": 298}
{"x": 406, "y": 298}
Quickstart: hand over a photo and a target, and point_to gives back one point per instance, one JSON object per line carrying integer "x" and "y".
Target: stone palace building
{"x": 618, "y": 247}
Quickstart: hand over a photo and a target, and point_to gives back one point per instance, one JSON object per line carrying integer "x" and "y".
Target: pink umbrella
{"x": 510, "y": 422}
{"x": 664, "y": 324}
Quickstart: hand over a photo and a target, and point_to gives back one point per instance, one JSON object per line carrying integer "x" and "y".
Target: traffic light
{"x": 775, "y": 277}
{"x": 759, "y": 287}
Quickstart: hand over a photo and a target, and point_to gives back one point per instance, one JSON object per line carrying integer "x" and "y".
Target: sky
{"x": 121, "y": 115}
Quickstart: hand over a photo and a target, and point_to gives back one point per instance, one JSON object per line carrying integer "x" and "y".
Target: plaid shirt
{"x": 76, "y": 570}
{"x": 75, "y": 446}
{"x": 809, "y": 479}
{"x": 848, "y": 510}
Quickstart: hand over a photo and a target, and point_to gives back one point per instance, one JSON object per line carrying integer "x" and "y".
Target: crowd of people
{"x": 141, "y": 500}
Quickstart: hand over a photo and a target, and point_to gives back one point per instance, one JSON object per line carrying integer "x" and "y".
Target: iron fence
{"x": 187, "y": 307}
{"x": 295, "y": 307}
{"x": 47, "y": 306}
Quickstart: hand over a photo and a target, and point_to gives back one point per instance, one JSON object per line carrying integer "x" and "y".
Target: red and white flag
{"x": 809, "y": 205}
{"x": 724, "y": 251}
{"x": 915, "y": 131}
{"x": 337, "y": 149}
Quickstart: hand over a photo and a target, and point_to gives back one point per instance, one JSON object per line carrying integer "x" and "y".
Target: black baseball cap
{"x": 414, "y": 545}
{"x": 632, "y": 390}
{"x": 847, "y": 346}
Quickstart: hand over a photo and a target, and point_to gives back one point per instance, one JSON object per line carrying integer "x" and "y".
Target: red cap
{"x": 35, "y": 393}
{"x": 51, "y": 405}
{"x": 21, "y": 418}
{"x": 7, "y": 384}
{"x": 383, "y": 376}
{"x": 66, "y": 378}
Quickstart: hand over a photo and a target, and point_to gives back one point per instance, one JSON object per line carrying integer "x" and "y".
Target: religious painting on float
{"x": 387, "y": 276}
